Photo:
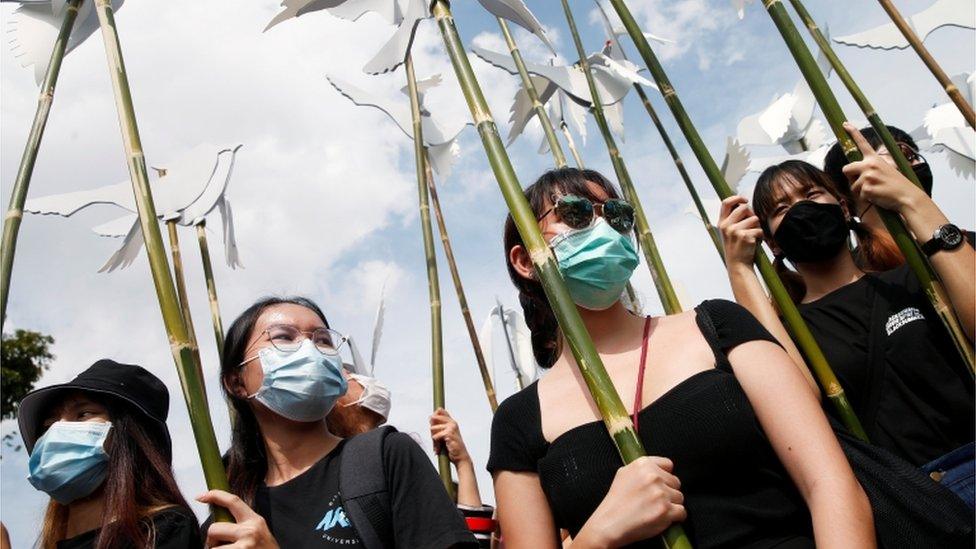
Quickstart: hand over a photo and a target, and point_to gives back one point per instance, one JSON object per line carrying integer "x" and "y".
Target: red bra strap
{"x": 639, "y": 397}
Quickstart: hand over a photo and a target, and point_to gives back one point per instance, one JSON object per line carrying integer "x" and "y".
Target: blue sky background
{"x": 324, "y": 192}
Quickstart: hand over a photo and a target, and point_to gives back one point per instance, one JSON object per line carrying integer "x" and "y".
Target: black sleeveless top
{"x": 737, "y": 492}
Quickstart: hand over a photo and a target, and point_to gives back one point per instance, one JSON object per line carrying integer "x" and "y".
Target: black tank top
{"x": 737, "y": 492}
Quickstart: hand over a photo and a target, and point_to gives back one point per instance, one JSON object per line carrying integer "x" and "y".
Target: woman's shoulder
{"x": 516, "y": 432}
{"x": 726, "y": 324}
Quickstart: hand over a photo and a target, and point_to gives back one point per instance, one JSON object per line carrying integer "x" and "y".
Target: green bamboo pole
{"x": 180, "y": 278}
{"x": 433, "y": 285}
{"x": 599, "y": 384}
{"x": 218, "y": 325}
{"x": 662, "y": 282}
{"x": 540, "y": 110}
{"x": 835, "y": 116}
{"x": 791, "y": 315}
{"x": 185, "y": 354}
{"x": 15, "y": 211}
{"x": 458, "y": 287}
{"x": 711, "y": 229}
{"x": 951, "y": 90}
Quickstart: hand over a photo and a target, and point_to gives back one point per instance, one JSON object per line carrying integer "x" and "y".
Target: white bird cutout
{"x": 359, "y": 365}
{"x": 788, "y": 120}
{"x": 735, "y": 164}
{"x": 518, "y": 336}
{"x": 945, "y": 130}
{"x": 34, "y": 28}
{"x": 943, "y": 13}
{"x": 394, "y": 52}
{"x": 440, "y": 139}
{"x": 185, "y": 191}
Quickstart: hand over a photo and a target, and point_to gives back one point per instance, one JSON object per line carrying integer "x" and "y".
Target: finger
{"x": 729, "y": 204}
{"x": 671, "y": 481}
{"x": 228, "y": 501}
{"x": 753, "y": 235}
{"x": 221, "y": 532}
{"x": 663, "y": 463}
{"x": 677, "y": 513}
{"x": 859, "y": 140}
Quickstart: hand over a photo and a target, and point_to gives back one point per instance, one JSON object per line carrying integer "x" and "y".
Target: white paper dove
{"x": 788, "y": 120}
{"x": 517, "y": 12}
{"x": 943, "y": 13}
{"x": 734, "y": 167}
{"x": 186, "y": 190}
{"x": 34, "y": 25}
{"x": 394, "y": 52}
{"x": 945, "y": 130}
{"x": 440, "y": 139}
{"x": 515, "y": 336}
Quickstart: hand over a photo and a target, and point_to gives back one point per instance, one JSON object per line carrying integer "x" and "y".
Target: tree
{"x": 23, "y": 357}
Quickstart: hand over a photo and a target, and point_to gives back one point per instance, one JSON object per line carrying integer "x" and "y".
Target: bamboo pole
{"x": 662, "y": 282}
{"x": 540, "y": 109}
{"x": 919, "y": 264}
{"x": 679, "y": 164}
{"x": 180, "y": 278}
{"x": 711, "y": 229}
{"x": 15, "y": 211}
{"x": 791, "y": 315}
{"x": 951, "y": 90}
{"x": 599, "y": 384}
{"x": 433, "y": 285}
{"x": 571, "y": 143}
{"x": 218, "y": 325}
{"x": 185, "y": 354}
{"x": 458, "y": 287}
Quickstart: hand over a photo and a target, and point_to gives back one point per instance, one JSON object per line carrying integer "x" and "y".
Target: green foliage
{"x": 23, "y": 357}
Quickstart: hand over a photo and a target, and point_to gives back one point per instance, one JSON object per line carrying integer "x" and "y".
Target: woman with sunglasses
{"x": 282, "y": 374}
{"x": 879, "y": 252}
{"x": 717, "y": 404}
{"x": 100, "y": 448}
{"x": 909, "y": 387}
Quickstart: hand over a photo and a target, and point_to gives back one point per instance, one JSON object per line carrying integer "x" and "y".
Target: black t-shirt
{"x": 900, "y": 370}
{"x": 737, "y": 492}
{"x": 175, "y": 528}
{"x": 307, "y": 512}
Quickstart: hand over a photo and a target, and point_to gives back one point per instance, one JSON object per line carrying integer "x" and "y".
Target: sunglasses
{"x": 579, "y": 212}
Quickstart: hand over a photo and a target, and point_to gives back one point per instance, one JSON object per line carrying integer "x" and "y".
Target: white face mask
{"x": 375, "y": 397}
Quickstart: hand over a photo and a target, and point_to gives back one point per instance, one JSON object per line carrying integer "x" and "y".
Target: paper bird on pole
{"x": 735, "y": 164}
{"x": 186, "y": 191}
{"x": 34, "y": 27}
{"x": 517, "y": 339}
{"x": 440, "y": 138}
{"x": 943, "y": 13}
{"x": 789, "y": 120}
{"x": 517, "y": 12}
{"x": 945, "y": 130}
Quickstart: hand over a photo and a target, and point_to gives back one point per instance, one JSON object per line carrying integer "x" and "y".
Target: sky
{"x": 324, "y": 193}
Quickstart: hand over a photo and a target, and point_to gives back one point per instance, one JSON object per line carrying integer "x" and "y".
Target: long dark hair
{"x": 246, "y": 460}
{"x": 802, "y": 175}
{"x": 546, "y": 339}
{"x": 883, "y": 254}
{"x": 139, "y": 484}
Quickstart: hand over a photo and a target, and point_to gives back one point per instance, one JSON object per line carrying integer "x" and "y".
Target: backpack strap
{"x": 363, "y": 489}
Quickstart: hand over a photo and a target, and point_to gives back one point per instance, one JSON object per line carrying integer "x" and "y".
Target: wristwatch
{"x": 946, "y": 237}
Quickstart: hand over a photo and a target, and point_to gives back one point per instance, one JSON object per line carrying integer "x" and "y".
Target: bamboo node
{"x": 542, "y": 256}
{"x": 618, "y": 424}
{"x": 14, "y": 213}
{"x": 951, "y": 88}
{"x": 769, "y": 3}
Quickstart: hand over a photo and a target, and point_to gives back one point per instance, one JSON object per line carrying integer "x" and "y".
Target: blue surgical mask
{"x": 69, "y": 462}
{"x": 302, "y": 385}
{"x": 596, "y": 263}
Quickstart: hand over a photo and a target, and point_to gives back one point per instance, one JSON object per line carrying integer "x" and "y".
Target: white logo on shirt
{"x": 899, "y": 319}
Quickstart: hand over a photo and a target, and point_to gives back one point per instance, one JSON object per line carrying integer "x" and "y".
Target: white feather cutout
{"x": 943, "y": 13}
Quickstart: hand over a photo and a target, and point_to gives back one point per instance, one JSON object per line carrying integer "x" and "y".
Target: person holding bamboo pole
{"x": 717, "y": 403}
{"x": 912, "y": 391}
{"x": 282, "y": 374}
{"x": 100, "y": 448}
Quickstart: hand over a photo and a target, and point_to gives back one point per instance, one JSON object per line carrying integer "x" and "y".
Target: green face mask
{"x": 596, "y": 263}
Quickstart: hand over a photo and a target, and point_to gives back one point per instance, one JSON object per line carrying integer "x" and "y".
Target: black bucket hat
{"x": 131, "y": 384}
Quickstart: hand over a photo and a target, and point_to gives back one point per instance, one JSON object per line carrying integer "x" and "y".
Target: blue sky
{"x": 324, "y": 192}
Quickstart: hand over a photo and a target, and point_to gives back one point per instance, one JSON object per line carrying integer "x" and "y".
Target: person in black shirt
{"x": 99, "y": 446}
{"x": 282, "y": 374}
{"x": 740, "y": 452}
{"x": 908, "y": 384}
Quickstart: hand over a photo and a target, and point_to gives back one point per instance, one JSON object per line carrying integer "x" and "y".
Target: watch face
{"x": 951, "y": 236}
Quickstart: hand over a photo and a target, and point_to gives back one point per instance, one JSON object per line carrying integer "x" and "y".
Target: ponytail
{"x": 876, "y": 249}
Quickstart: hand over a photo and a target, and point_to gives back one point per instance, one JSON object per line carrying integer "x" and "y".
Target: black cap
{"x": 131, "y": 384}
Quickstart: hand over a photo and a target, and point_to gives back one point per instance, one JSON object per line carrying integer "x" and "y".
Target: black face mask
{"x": 924, "y": 173}
{"x": 811, "y": 232}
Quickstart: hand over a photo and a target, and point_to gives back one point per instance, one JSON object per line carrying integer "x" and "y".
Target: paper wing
{"x": 957, "y": 13}
{"x": 736, "y": 162}
{"x": 517, "y": 12}
{"x": 396, "y": 49}
{"x": 68, "y": 204}
{"x": 400, "y": 114}
{"x": 231, "y": 253}
{"x": 296, "y": 8}
{"x": 125, "y": 255}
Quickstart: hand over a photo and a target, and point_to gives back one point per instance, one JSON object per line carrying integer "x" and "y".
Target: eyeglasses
{"x": 288, "y": 339}
{"x": 911, "y": 154}
{"x": 579, "y": 212}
